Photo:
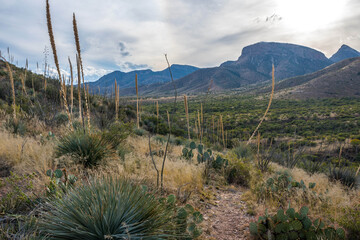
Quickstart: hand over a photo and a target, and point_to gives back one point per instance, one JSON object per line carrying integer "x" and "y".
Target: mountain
{"x": 145, "y": 77}
{"x": 343, "y": 53}
{"x": 341, "y": 79}
{"x": 252, "y": 67}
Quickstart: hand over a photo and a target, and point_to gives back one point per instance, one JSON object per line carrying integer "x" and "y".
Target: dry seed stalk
{"x": 222, "y": 130}
{"x": 199, "y": 122}
{"x": 79, "y": 87}
{"x": 267, "y": 109}
{"x": 53, "y": 46}
{"x": 71, "y": 87}
{"x": 187, "y": 115}
{"x": 77, "y": 42}
{"x": 12, "y": 86}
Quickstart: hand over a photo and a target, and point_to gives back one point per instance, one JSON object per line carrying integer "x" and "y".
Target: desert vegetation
{"x": 80, "y": 165}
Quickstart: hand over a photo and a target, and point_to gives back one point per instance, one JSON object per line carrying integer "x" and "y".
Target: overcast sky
{"x": 134, "y": 34}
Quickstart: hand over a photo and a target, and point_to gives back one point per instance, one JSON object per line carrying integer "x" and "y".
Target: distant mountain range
{"x": 341, "y": 79}
{"x": 253, "y": 67}
{"x": 145, "y": 77}
{"x": 343, "y": 53}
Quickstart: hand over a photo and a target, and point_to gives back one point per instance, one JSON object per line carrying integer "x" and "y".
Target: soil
{"x": 226, "y": 218}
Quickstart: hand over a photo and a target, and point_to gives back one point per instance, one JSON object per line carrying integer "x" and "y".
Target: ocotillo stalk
{"x": 137, "y": 102}
{"x": 199, "y": 122}
{"x": 168, "y": 116}
{"x": 71, "y": 87}
{"x": 157, "y": 116}
{"x": 12, "y": 86}
{"x": 267, "y": 109}
{"x": 213, "y": 127}
{"x": 187, "y": 115}
{"x": 222, "y": 130}
{"x": 202, "y": 120}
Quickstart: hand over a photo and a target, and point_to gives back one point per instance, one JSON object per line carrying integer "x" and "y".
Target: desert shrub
{"x": 15, "y": 126}
{"x": 293, "y": 225}
{"x": 107, "y": 209}
{"x": 61, "y": 118}
{"x": 116, "y": 133}
{"x": 16, "y": 198}
{"x": 86, "y": 148}
{"x": 238, "y": 171}
{"x": 243, "y": 151}
{"x": 281, "y": 188}
{"x": 350, "y": 220}
{"x": 345, "y": 175}
{"x": 139, "y": 131}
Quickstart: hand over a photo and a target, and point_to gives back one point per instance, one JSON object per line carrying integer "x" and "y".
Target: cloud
{"x": 127, "y": 35}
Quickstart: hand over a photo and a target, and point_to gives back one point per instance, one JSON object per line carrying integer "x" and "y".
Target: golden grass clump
{"x": 138, "y": 166}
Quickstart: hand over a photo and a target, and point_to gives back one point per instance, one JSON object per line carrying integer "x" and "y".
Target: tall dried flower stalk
{"x": 53, "y": 47}
{"x": 187, "y": 115}
{"x": 137, "y": 102}
{"x": 77, "y": 43}
{"x": 267, "y": 109}
{"x": 213, "y": 127}
{"x": 23, "y": 78}
{"x": 12, "y": 86}
{"x": 199, "y": 122}
{"x": 71, "y": 87}
{"x": 116, "y": 101}
{"x": 79, "y": 88}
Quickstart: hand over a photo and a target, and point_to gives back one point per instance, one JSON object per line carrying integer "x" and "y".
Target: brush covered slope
{"x": 338, "y": 80}
{"x": 252, "y": 67}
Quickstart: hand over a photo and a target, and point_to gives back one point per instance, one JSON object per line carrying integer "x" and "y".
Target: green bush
{"x": 15, "y": 126}
{"x": 17, "y": 197}
{"x": 345, "y": 175}
{"x": 293, "y": 225}
{"x": 86, "y": 148}
{"x": 243, "y": 151}
{"x": 238, "y": 170}
{"x": 108, "y": 209}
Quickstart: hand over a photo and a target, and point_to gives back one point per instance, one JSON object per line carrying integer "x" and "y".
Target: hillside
{"x": 252, "y": 67}
{"x": 145, "y": 77}
{"x": 338, "y": 80}
{"x": 344, "y": 52}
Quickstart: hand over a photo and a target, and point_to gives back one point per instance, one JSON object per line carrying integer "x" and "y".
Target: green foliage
{"x": 86, "y": 148}
{"x": 15, "y": 126}
{"x": 61, "y": 118}
{"x": 282, "y": 187}
{"x": 345, "y": 175}
{"x": 238, "y": 171}
{"x": 139, "y": 132}
{"x": 111, "y": 209}
{"x": 188, "y": 153}
{"x": 185, "y": 218}
{"x": 350, "y": 220}
{"x": 60, "y": 182}
{"x": 243, "y": 151}
{"x": 293, "y": 225}
{"x": 17, "y": 197}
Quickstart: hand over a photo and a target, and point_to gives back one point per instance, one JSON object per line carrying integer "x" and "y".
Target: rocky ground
{"x": 226, "y": 218}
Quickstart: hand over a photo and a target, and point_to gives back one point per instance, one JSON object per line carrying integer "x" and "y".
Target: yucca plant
{"x": 85, "y": 148}
{"x": 107, "y": 209}
{"x": 346, "y": 176}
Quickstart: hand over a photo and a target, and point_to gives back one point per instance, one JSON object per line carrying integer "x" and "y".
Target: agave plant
{"x": 85, "y": 148}
{"x": 107, "y": 209}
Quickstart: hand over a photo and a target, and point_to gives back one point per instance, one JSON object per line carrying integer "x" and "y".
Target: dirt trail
{"x": 226, "y": 218}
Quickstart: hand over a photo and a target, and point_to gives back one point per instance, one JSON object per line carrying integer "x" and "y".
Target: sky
{"x": 128, "y": 35}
